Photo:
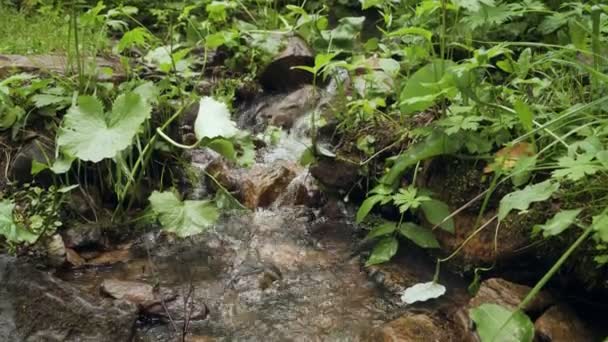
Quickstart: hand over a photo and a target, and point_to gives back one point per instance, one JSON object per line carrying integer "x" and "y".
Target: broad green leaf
{"x": 558, "y": 223}
{"x": 367, "y": 206}
{"x": 415, "y": 31}
{"x": 138, "y": 36}
{"x": 365, "y": 4}
{"x": 381, "y": 230}
{"x": 600, "y": 225}
{"x": 184, "y": 218}
{"x": 213, "y": 120}
{"x": 522, "y": 171}
{"x": 435, "y": 212}
{"x": 12, "y": 231}
{"x": 521, "y": 199}
{"x": 223, "y": 147}
{"x": 489, "y": 318}
{"x": 423, "y": 237}
{"x": 384, "y": 250}
{"x": 422, "y": 292}
{"x": 424, "y": 85}
{"x": 525, "y": 114}
{"x": 43, "y": 100}
{"x": 91, "y": 134}
{"x": 436, "y": 144}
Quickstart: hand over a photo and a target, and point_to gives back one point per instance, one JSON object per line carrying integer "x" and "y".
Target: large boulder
{"x": 280, "y": 75}
{"x": 35, "y": 306}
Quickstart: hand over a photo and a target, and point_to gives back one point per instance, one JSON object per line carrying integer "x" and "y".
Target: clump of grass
{"x": 31, "y": 33}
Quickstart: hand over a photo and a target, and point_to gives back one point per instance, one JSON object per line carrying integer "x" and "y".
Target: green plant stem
{"x": 596, "y": 12}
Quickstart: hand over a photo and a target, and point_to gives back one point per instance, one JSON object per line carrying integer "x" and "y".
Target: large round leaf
{"x": 89, "y": 133}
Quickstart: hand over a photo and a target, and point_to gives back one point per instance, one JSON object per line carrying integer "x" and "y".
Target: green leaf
{"x": 422, "y": 292}
{"x": 600, "y": 225}
{"x": 367, "y": 206}
{"x": 90, "y": 134}
{"x": 473, "y": 5}
{"x": 136, "y": 37}
{"x": 12, "y": 231}
{"x": 223, "y": 147}
{"x": 576, "y": 168}
{"x": 525, "y": 114}
{"x": 489, "y": 318}
{"x": 423, "y": 237}
{"x": 408, "y": 198}
{"x": 365, "y": 4}
{"x": 184, "y": 218}
{"x": 435, "y": 212}
{"x": 384, "y": 250}
{"x": 558, "y": 223}
{"x": 424, "y": 85}
{"x": 43, "y": 100}
{"x": 436, "y": 144}
{"x": 381, "y": 230}
{"x": 521, "y": 200}
{"x": 213, "y": 120}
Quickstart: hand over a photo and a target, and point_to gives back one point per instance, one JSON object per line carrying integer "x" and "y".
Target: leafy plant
{"x": 184, "y": 218}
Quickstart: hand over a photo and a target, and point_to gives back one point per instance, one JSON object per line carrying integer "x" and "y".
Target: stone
{"x": 73, "y": 258}
{"x": 55, "y": 250}
{"x": 110, "y": 257}
{"x": 416, "y": 327}
{"x": 83, "y": 235}
{"x": 163, "y": 302}
{"x": 302, "y": 191}
{"x": 263, "y": 184}
{"x": 35, "y": 306}
{"x": 561, "y": 324}
{"x": 59, "y": 64}
{"x": 280, "y": 75}
{"x": 285, "y": 111}
{"x": 508, "y": 294}
{"x": 40, "y": 150}
{"x": 335, "y": 174}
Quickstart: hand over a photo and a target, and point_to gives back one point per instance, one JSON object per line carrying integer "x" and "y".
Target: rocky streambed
{"x": 289, "y": 268}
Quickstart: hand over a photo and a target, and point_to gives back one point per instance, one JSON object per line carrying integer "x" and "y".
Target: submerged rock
{"x": 35, "y": 306}
{"x": 419, "y": 327}
{"x": 335, "y": 174}
{"x": 263, "y": 184}
{"x": 561, "y": 324}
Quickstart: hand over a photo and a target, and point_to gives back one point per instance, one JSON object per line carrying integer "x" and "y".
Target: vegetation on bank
{"x": 517, "y": 86}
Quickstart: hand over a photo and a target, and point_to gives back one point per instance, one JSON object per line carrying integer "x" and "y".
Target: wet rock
{"x": 83, "y": 235}
{"x": 56, "y": 251}
{"x": 279, "y": 75}
{"x": 561, "y": 324}
{"x": 417, "y": 327}
{"x": 285, "y": 111}
{"x": 59, "y": 64}
{"x": 302, "y": 191}
{"x": 263, "y": 184}
{"x": 335, "y": 174}
{"x": 73, "y": 258}
{"x": 507, "y": 294}
{"x": 110, "y": 257}
{"x": 140, "y": 294}
{"x": 34, "y": 306}
{"x": 163, "y": 302}
{"x": 38, "y": 150}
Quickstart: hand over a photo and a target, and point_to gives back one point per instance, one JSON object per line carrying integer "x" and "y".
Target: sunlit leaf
{"x": 422, "y": 292}
{"x": 381, "y": 230}
{"x": 424, "y": 84}
{"x": 11, "y": 230}
{"x": 213, "y": 120}
{"x": 490, "y": 318}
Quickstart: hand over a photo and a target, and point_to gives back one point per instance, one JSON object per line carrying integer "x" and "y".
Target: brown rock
{"x": 561, "y": 324}
{"x": 263, "y": 184}
{"x": 287, "y": 109}
{"x": 135, "y": 292}
{"x": 73, "y": 258}
{"x": 416, "y": 327}
{"x": 59, "y": 64}
{"x": 111, "y": 257}
{"x": 507, "y": 294}
{"x": 302, "y": 191}
{"x": 199, "y": 338}
{"x": 335, "y": 174}
{"x": 280, "y": 75}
